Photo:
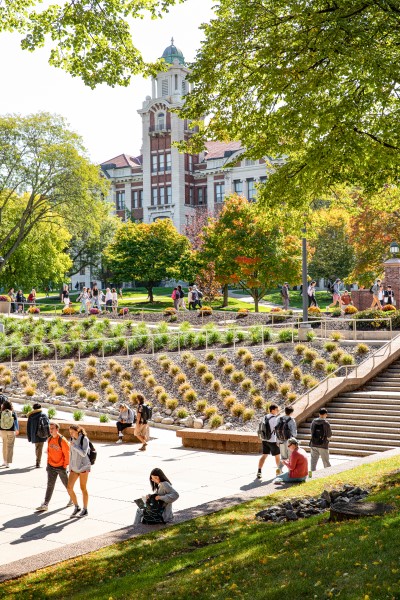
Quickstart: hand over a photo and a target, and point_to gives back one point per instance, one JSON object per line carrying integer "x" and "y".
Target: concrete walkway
{"x": 30, "y": 540}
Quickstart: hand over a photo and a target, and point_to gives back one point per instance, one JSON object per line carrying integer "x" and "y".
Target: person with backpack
{"x": 375, "y": 289}
{"x": 57, "y": 463}
{"x": 285, "y": 295}
{"x": 312, "y": 301}
{"x": 297, "y": 464}
{"x": 266, "y": 432}
{"x": 9, "y": 428}
{"x": 38, "y": 430}
{"x": 175, "y": 297}
{"x": 163, "y": 491}
{"x": 143, "y": 414}
{"x": 125, "y": 419}
{"x": 336, "y": 297}
{"x": 198, "y": 296}
{"x": 285, "y": 429}
{"x": 181, "y": 302}
{"x": 79, "y": 465}
{"x": 321, "y": 433}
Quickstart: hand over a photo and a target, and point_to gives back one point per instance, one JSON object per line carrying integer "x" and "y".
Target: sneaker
{"x": 83, "y": 513}
{"x": 278, "y": 472}
{"x": 259, "y": 475}
{"x": 42, "y": 508}
{"x": 75, "y": 513}
{"x": 70, "y": 503}
{"x": 5, "y": 464}
{"x": 143, "y": 447}
{"x": 37, "y": 466}
{"x": 119, "y": 441}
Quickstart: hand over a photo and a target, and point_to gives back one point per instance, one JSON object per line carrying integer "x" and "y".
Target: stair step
{"x": 376, "y": 401}
{"x": 375, "y": 412}
{"x": 369, "y": 446}
{"x": 340, "y": 416}
{"x": 368, "y": 406}
{"x": 374, "y": 394}
{"x": 340, "y": 431}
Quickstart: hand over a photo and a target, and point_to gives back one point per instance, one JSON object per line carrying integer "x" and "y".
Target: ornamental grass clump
{"x": 210, "y": 410}
{"x": 112, "y": 398}
{"x": 150, "y": 381}
{"x": 216, "y": 385}
{"x": 246, "y": 384}
{"x": 284, "y": 389}
{"x": 287, "y": 365}
{"x": 291, "y": 397}
{"x": 309, "y": 355}
{"x": 248, "y": 414}
{"x": 308, "y": 381}
{"x": 222, "y": 361}
{"x": 78, "y": 415}
{"x": 237, "y": 376}
{"x": 241, "y": 352}
{"x": 228, "y": 369}
{"x": 174, "y": 370}
{"x": 90, "y": 372}
{"x": 104, "y": 383}
{"x": 277, "y": 357}
{"x": 190, "y": 396}
{"x": 82, "y": 392}
{"x": 269, "y": 350}
{"x": 272, "y": 384}
{"x": 171, "y": 403}
{"x": 26, "y": 409}
{"x": 330, "y": 346}
{"x": 337, "y": 355}
{"x": 347, "y": 359}
{"x": 210, "y": 356}
{"x": 229, "y": 401}
{"x": 238, "y": 409}
{"x": 201, "y": 368}
{"x": 300, "y": 349}
{"x": 104, "y": 418}
{"x": 362, "y": 349}
{"x": 258, "y": 401}
{"x": 92, "y": 396}
{"x": 181, "y": 412}
{"x": 207, "y": 377}
{"x": 29, "y": 391}
{"x": 201, "y": 405}
{"x": 183, "y": 388}
{"x": 336, "y": 336}
{"x": 330, "y": 368}
{"x": 319, "y": 364}
{"x": 77, "y": 385}
{"x": 92, "y": 361}
{"x": 215, "y": 421}
{"x": 259, "y": 366}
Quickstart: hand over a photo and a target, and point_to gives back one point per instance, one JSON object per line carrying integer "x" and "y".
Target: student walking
{"x": 389, "y": 296}
{"x": 38, "y": 430}
{"x": 9, "y": 428}
{"x": 321, "y": 434}
{"x": 83, "y": 298}
{"x": 268, "y": 437}
{"x": 141, "y": 426}
{"x": 175, "y": 297}
{"x": 336, "y": 294}
{"x": 95, "y": 297}
{"x": 162, "y": 491}
{"x": 114, "y": 301}
{"x": 285, "y": 429}
{"x": 375, "y": 294}
{"x": 57, "y": 463}
{"x": 311, "y": 294}
{"x": 285, "y": 295}
{"x": 79, "y": 463}
{"x": 297, "y": 464}
{"x": 181, "y": 298}
{"x": 125, "y": 419}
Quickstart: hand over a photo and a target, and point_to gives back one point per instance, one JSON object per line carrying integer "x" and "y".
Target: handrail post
{"x": 79, "y": 351}
{"x": 55, "y": 353}
{"x": 179, "y": 343}
{"x": 206, "y": 340}
{"x": 152, "y": 344}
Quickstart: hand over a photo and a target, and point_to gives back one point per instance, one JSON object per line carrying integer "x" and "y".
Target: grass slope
{"x": 229, "y": 555}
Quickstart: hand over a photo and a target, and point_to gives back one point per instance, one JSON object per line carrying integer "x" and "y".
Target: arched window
{"x": 161, "y": 121}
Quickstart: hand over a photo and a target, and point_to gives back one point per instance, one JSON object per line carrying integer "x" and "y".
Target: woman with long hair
{"x": 9, "y": 428}
{"x": 162, "y": 487}
{"x": 79, "y": 465}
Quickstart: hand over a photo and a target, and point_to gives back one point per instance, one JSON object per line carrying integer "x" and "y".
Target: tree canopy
{"x": 316, "y": 83}
{"x": 90, "y": 39}
{"x": 44, "y": 165}
{"x": 148, "y": 253}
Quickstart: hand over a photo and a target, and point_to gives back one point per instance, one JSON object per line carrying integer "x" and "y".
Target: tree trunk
{"x": 255, "y": 303}
{"x": 150, "y": 293}
{"x": 225, "y": 300}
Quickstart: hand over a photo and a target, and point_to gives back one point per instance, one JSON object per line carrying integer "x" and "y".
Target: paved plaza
{"x": 119, "y": 476}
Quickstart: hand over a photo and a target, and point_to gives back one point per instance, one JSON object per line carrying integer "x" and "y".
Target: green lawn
{"x": 230, "y": 555}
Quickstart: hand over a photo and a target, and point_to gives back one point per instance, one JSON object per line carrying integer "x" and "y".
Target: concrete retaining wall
{"x": 101, "y": 432}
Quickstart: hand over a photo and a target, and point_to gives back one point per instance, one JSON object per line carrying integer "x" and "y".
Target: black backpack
{"x": 282, "y": 430}
{"x": 264, "y": 429}
{"x": 153, "y": 511}
{"x": 318, "y": 435}
{"x": 43, "y": 427}
{"x": 199, "y": 294}
{"x": 371, "y": 289}
{"x": 92, "y": 454}
{"x": 147, "y": 413}
{"x": 3, "y": 399}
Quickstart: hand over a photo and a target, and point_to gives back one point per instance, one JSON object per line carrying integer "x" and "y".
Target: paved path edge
{"x": 256, "y": 489}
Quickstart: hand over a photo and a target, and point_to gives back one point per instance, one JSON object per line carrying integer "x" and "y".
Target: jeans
{"x": 52, "y": 474}
{"x": 122, "y": 426}
{"x": 317, "y": 453}
{"x": 287, "y": 479}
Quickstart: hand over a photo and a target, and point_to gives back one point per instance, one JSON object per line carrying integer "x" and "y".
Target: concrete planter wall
{"x": 5, "y": 307}
{"x": 365, "y": 335}
{"x": 101, "y": 432}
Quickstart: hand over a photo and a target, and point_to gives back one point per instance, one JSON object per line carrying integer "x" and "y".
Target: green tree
{"x": 314, "y": 82}
{"x": 249, "y": 249}
{"x": 148, "y": 253}
{"x": 90, "y": 39}
{"x": 44, "y": 163}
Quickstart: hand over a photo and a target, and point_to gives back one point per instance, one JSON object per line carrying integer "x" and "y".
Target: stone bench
{"x": 101, "y": 432}
{"x": 221, "y": 441}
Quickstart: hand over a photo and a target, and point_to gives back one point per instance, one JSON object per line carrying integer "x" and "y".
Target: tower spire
{"x": 172, "y": 41}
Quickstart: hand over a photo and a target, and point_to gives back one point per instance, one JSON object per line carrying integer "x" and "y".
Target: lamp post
{"x": 304, "y": 272}
{"x": 394, "y": 249}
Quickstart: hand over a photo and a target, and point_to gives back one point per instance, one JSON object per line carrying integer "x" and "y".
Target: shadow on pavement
{"x": 257, "y": 483}
{"x": 43, "y": 531}
{"x": 29, "y": 519}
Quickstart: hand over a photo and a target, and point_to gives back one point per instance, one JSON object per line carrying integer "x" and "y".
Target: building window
{"x": 183, "y": 87}
{"x": 164, "y": 87}
{"x": 263, "y": 179}
{"x": 161, "y": 196}
{"x": 161, "y": 162}
{"x": 238, "y": 186}
{"x": 176, "y": 83}
{"x": 137, "y": 198}
{"x": 190, "y": 162}
{"x": 160, "y": 121}
{"x": 251, "y": 189}
{"x": 168, "y": 163}
{"x": 120, "y": 200}
{"x": 154, "y": 196}
{"x": 140, "y": 205}
{"x": 82, "y": 271}
{"x": 200, "y": 196}
{"x": 219, "y": 192}
{"x": 191, "y": 196}
{"x": 169, "y": 194}
{"x": 154, "y": 163}
{"x": 249, "y": 163}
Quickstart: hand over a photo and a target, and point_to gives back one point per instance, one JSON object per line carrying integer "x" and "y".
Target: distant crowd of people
{"x": 194, "y": 298}
{"x": 96, "y": 298}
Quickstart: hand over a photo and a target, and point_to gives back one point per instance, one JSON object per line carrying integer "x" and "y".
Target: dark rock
{"x": 342, "y": 500}
{"x": 334, "y": 494}
{"x": 355, "y": 491}
{"x": 287, "y": 505}
{"x": 291, "y": 515}
{"x": 326, "y": 496}
{"x": 322, "y": 503}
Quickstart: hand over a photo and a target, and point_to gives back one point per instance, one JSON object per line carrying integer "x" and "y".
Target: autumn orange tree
{"x": 250, "y": 249}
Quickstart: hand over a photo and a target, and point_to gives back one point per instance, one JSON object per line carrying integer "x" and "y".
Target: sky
{"x": 106, "y": 117}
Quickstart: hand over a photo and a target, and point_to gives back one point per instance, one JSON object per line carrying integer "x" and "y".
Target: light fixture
{"x": 394, "y": 248}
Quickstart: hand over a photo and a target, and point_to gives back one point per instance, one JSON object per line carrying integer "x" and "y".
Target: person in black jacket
{"x": 32, "y": 430}
{"x": 321, "y": 434}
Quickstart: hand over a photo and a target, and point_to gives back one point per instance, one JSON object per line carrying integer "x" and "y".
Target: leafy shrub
{"x": 284, "y": 389}
{"x": 60, "y": 391}
{"x": 51, "y": 413}
{"x": 92, "y": 396}
{"x": 237, "y": 376}
{"x": 246, "y": 384}
{"x": 210, "y": 356}
{"x": 314, "y": 311}
{"x": 222, "y": 361}
{"x": 300, "y": 349}
{"x": 200, "y": 405}
{"x": 259, "y": 366}
{"x": 388, "y": 308}
{"x": 78, "y": 415}
{"x": 216, "y": 421}
{"x": 286, "y": 335}
{"x": 26, "y": 409}
{"x": 169, "y": 311}
{"x": 181, "y": 412}
{"x": 242, "y": 312}
{"x": 205, "y": 311}
{"x": 330, "y": 346}
{"x": 336, "y": 336}
{"x": 238, "y": 409}
{"x": 350, "y": 310}
{"x": 319, "y": 364}
{"x": 362, "y": 349}
{"x": 104, "y": 418}
{"x": 229, "y": 401}
{"x": 309, "y": 355}
{"x": 347, "y": 359}
{"x": 248, "y": 414}
{"x": 209, "y": 411}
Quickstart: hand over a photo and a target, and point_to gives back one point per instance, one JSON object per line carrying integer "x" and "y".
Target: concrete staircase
{"x": 364, "y": 421}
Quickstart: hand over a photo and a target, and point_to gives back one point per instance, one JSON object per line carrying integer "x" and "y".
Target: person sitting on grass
{"x": 297, "y": 464}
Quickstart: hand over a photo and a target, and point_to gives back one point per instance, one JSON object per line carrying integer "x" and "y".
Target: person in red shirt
{"x": 57, "y": 463}
{"x": 297, "y": 464}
